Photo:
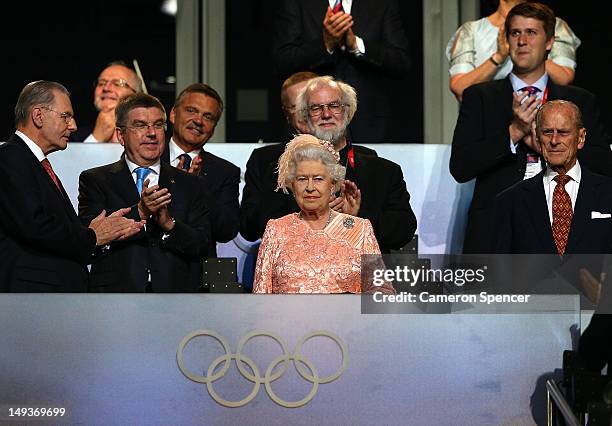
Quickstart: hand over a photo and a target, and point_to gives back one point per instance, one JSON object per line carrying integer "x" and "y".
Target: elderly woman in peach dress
{"x": 316, "y": 250}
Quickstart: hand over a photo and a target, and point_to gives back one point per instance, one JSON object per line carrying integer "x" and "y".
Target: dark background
{"x": 72, "y": 41}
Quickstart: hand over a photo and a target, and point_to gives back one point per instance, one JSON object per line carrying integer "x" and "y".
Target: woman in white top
{"x": 478, "y": 51}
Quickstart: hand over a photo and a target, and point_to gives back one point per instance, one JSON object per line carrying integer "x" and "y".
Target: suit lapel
{"x": 505, "y": 91}
{"x": 61, "y": 192}
{"x": 585, "y": 202}
{"x": 360, "y": 15}
{"x": 205, "y": 163}
{"x": 167, "y": 180}
{"x": 122, "y": 181}
{"x": 67, "y": 202}
{"x": 534, "y": 204}
{"x": 553, "y": 91}
{"x": 316, "y": 9}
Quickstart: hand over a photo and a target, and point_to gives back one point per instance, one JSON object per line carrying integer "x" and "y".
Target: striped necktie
{"x": 338, "y": 6}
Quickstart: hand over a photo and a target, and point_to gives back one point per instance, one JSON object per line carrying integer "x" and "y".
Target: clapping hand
{"x": 114, "y": 226}
{"x": 352, "y": 198}
{"x": 524, "y": 109}
{"x": 335, "y": 25}
{"x": 194, "y": 168}
{"x": 104, "y": 130}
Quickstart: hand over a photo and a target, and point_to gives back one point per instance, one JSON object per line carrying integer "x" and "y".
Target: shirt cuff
{"x": 462, "y": 68}
{"x": 512, "y": 147}
{"x": 564, "y": 62}
{"x": 360, "y": 47}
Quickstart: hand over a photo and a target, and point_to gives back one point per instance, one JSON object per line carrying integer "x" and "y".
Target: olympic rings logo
{"x": 296, "y": 357}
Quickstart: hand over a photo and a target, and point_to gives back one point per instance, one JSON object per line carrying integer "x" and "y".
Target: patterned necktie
{"x": 338, "y": 6}
{"x": 562, "y": 213}
{"x": 531, "y": 90}
{"x": 47, "y": 166}
{"x": 141, "y": 175}
{"x": 186, "y": 162}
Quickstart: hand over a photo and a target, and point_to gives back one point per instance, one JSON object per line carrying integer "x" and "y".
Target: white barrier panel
{"x": 112, "y": 360}
{"x": 439, "y": 203}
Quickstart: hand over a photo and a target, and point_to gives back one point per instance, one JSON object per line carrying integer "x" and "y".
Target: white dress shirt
{"x": 153, "y": 176}
{"x": 175, "y": 151}
{"x": 40, "y": 155}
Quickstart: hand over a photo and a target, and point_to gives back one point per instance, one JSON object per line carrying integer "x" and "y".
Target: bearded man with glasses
{"x": 116, "y": 81}
{"x": 166, "y": 256}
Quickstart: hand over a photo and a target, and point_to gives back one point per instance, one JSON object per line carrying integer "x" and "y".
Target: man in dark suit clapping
{"x": 43, "y": 246}
{"x": 195, "y": 115}
{"x": 167, "y": 255}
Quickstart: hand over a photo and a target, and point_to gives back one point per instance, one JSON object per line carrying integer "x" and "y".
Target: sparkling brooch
{"x": 348, "y": 222}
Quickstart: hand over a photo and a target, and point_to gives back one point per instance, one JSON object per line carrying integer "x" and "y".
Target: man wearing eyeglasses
{"x": 374, "y": 187}
{"x": 43, "y": 246}
{"x": 195, "y": 115}
{"x": 167, "y": 255}
{"x": 116, "y": 81}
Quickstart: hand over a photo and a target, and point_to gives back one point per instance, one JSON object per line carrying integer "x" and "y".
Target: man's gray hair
{"x": 39, "y": 92}
{"x": 133, "y": 101}
{"x": 348, "y": 96}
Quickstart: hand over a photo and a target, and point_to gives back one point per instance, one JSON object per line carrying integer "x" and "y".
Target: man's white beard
{"x": 333, "y": 136}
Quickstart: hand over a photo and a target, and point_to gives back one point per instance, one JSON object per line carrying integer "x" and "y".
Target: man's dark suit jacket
{"x": 384, "y": 198}
{"x": 481, "y": 150}
{"x": 523, "y": 223}
{"x": 524, "y": 227}
{"x": 175, "y": 261}
{"x": 43, "y": 246}
{"x": 299, "y": 46}
{"x": 222, "y": 180}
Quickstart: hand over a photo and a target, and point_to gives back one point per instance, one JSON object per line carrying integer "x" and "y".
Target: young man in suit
{"x": 43, "y": 246}
{"x": 195, "y": 115}
{"x": 167, "y": 255}
{"x": 375, "y": 187}
{"x": 493, "y": 142}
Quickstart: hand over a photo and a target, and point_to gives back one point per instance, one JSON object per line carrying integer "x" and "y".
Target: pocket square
{"x": 597, "y": 215}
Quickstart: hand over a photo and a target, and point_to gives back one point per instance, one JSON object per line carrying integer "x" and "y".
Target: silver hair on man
{"x": 348, "y": 96}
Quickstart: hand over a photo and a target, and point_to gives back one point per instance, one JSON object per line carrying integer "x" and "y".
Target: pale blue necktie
{"x": 141, "y": 175}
